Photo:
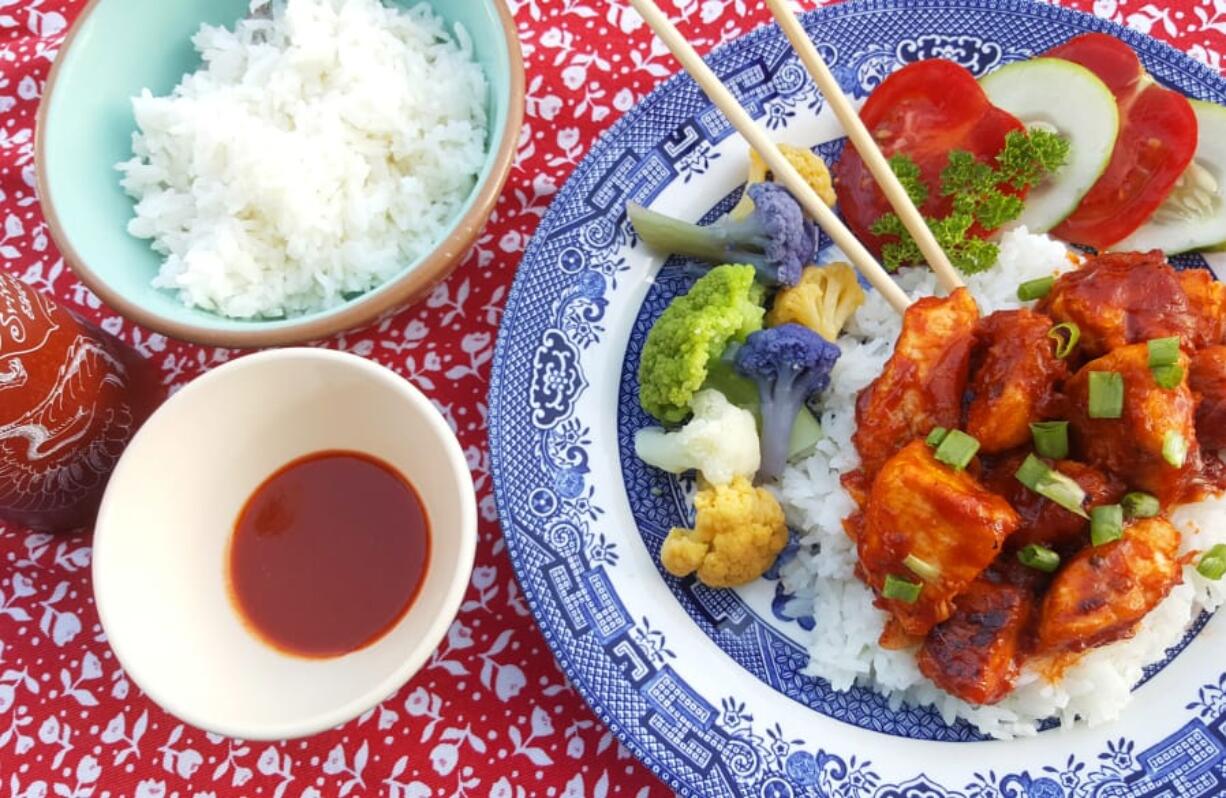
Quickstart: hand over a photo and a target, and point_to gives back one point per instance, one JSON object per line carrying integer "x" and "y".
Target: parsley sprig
{"x": 977, "y": 197}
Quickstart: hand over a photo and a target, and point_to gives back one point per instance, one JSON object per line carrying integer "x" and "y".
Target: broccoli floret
{"x": 823, "y": 300}
{"x": 724, "y": 305}
{"x": 790, "y": 363}
{"x": 776, "y": 238}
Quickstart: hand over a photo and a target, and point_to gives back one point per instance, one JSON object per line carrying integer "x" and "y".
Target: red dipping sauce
{"x": 329, "y": 553}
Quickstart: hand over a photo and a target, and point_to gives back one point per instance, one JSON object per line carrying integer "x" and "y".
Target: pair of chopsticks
{"x": 783, "y": 170}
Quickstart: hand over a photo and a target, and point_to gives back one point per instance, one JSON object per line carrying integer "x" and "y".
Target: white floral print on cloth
{"x": 72, "y": 725}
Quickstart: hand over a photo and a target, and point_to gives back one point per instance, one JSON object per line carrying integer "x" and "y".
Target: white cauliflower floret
{"x": 721, "y": 441}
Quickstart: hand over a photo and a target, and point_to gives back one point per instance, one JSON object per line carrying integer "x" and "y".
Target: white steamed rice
{"x": 308, "y": 159}
{"x": 844, "y": 649}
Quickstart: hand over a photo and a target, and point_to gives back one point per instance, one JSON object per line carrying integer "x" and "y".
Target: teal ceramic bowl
{"x": 85, "y": 126}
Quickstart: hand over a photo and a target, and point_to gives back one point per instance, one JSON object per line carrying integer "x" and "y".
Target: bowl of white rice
{"x": 250, "y": 173}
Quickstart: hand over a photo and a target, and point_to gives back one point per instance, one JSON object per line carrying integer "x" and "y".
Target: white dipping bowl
{"x": 161, "y": 581}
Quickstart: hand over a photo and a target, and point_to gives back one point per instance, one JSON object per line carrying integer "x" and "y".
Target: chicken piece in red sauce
{"x": 1009, "y": 569}
{"x": 974, "y": 654}
{"x": 922, "y": 384}
{"x": 1208, "y": 381}
{"x": 1131, "y": 446}
{"x": 918, "y": 506}
{"x": 1100, "y": 594}
{"x": 1207, "y": 298}
{"x": 1043, "y": 521}
{"x": 1014, "y": 381}
{"x": 1123, "y": 298}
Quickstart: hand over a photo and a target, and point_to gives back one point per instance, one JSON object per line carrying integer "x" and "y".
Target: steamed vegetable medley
{"x": 1079, "y": 142}
{"x": 711, "y": 339}
{"x": 732, "y": 381}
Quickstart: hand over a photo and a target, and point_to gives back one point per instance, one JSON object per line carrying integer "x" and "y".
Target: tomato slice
{"x": 1110, "y": 59}
{"x": 924, "y": 110}
{"x": 1157, "y": 140}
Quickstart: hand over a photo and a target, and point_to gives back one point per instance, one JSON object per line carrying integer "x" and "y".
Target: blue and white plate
{"x": 706, "y": 686}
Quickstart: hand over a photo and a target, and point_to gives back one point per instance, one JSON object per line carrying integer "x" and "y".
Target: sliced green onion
{"x": 1212, "y": 564}
{"x": 1066, "y": 334}
{"x": 1035, "y": 289}
{"x": 1168, "y": 377}
{"x": 1174, "y": 448}
{"x": 922, "y": 568}
{"x": 1063, "y": 490}
{"x": 1163, "y": 351}
{"x": 1039, "y": 558}
{"x": 956, "y": 449}
{"x": 1164, "y": 361}
{"x": 1032, "y": 471}
{"x": 936, "y": 436}
{"x": 1052, "y": 485}
{"x": 901, "y": 590}
{"x": 1106, "y": 524}
{"x": 1106, "y": 394}
{"x": 1050, "y": 438}
{"x": 1140, "y": 505}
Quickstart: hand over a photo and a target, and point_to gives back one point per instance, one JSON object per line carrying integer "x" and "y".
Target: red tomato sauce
{"x": 328, "y": 554}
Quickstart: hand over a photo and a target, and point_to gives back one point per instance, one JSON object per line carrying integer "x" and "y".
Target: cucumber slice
{"x": 1194, "y": 215}
{"x": 806, "y": 432}
{"x": 1058, "y": 95}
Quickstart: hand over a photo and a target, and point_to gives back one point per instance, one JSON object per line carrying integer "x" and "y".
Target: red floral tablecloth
{"x": 491, "y": 714}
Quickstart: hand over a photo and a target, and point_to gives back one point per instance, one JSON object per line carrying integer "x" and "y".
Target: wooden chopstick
{"x": 863, "y": 141}
{"x": 783, "y": 170}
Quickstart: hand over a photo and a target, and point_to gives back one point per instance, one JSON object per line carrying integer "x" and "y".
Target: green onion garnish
{"x": 936, "y": 436}
{"x": 1164, "y": 361}
{"x": 1052, "y": 485}
{"x": 1212, "y": 563}
{"x": 1032, "y": 471}
{"x": 922, "y": 568}
{"x": 1035, "y": 289}
{"x": 1140, "y": 505}
{"x": 1066, "y": 334}
{"x": 901, "y": 590}
{"x": 1050, "y": 438}
{"x": 956, "y": 449}
{"x": 1174, "y": 448}
{"x": 1106, "y": 394}
{"x": 1039, "y": 557}
{"x": 1163, "y": 351}
{"x": 1168, "y": 377}
{"x": 1106, "y": 524}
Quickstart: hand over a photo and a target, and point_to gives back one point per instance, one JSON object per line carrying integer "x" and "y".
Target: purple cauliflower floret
{"x": 790, "y": 363}
{"x": 776, "y": 238}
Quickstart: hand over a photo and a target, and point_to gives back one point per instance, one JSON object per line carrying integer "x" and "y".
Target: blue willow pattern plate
{"x": 707, "y": 687}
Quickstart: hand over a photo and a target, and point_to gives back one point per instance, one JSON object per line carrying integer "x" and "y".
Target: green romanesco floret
{"x": 724, "y": 305}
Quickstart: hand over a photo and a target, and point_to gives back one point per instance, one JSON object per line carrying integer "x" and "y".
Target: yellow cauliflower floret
{"x": 739, "y": 532}
{"x": 823, "y": 300}
{"x": 811, "y": 167}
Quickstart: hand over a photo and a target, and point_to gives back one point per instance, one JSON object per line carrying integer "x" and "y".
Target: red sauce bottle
{"x": 71, "y": 397}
